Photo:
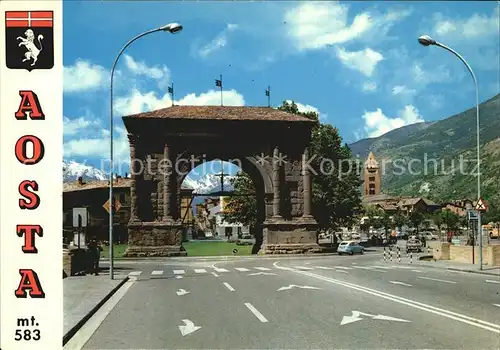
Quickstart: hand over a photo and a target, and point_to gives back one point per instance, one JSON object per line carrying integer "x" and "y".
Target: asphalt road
{"x": 328, "y": 302}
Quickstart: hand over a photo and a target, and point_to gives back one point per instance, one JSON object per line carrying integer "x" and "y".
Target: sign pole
{"x": 480, "y": 230}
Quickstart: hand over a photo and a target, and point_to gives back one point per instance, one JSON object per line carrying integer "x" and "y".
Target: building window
{"x": 372, "y": 186}
{"x": 372, "y": 191}
{"x": 372, "y": 178}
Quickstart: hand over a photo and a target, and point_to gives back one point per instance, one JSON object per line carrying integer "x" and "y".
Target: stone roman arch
{"x": 166, "y": 144}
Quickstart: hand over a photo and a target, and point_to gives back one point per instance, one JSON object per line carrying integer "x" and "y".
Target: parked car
{"x": 350, "y": 247}
{"x": 413, "y": 244}
{"x": 431, "y": 236}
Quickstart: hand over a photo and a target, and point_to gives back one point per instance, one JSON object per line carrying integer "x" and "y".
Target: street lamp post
{"x": 171, "y": 28}
{"x": 426, "y": 40}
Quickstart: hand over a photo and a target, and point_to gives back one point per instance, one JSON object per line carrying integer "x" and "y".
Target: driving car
{"x": 350, "y": 247}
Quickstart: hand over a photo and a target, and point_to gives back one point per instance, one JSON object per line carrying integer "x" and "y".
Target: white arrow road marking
{"x": 188, "y": 327}
{"x": 356, "y": 317}
{"x": 241, "y": 269}
{"x": 262, "y": 273}
{"x": 179, "y": 272}
{"x": 435, "y": 279}
{"x": 491, "y": 281}
{"x": 200, "y": 270}
{"x": 228, "y": 286}
{"x": 497, "y": 305}
{"x": 295, "y": 286}
{"x": 303, "y": 268}
{"x": 220, "y": 269}
{"x": 157, "y": 272}
{"x": 262, "y": 269}
{"x": 178, "y": 277}
{"x": 135, "y": 273}
{"x": 401, "y": 283}
{"x": 324, "y": 268}
{"x": 256, "y": 313}
{"x": 182, "y": 292}
{"x": 216, "y": 275}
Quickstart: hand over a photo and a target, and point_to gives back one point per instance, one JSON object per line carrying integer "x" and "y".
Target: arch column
{"x": 276, "y": 184}
{"x": 134, "y": 209}
{"x": 167, "y": 184}
{"x": 306, "y": 179}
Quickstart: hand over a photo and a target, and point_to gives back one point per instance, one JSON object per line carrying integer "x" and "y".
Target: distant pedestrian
{"x": 95, "y": 254}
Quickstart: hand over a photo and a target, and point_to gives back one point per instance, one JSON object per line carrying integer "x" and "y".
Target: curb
{"x": 483, "y": 272}
{"x": 91, "y": 313}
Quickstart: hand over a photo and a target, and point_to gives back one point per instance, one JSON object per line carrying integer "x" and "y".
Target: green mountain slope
{"x": 438, "y": 159}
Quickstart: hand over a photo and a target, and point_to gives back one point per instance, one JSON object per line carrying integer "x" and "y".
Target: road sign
{"x": 118, "y": 205}
{"x": 481, "y": 205}
{"x": 471, "y": 215}
{"x": 82, "y": 212}
{"x": 455, "y": 241}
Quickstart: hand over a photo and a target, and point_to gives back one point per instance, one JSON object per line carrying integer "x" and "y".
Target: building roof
{"x": 371, "y": 161}
{"x": 410, "y": 201}
{"x": 220, "y": 113}
{"x": 92, "y": 185}
{"x": 378, "y": 198}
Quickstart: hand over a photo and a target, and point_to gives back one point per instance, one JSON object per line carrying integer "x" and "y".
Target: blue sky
{"x": 357, "y": 63}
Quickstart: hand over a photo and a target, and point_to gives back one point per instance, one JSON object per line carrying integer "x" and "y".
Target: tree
{"x": 242, "y": 208}
{"x": 416, "y": 219}
{"x": 400, "y": 220}
{"x": 386, "y": 223}
{"x": 437, "y": 218}
{"x": 451, "y": 220}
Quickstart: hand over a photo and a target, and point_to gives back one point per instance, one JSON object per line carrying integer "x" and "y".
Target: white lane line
{"x": 157, "y": 272}
{"x": 403, "y": 267}
{"x": 81, "y": 337}
{"x": 179, "y": 272}
{"x": 262, "y": 269}
{"x": 416, "y": 271}
{"x": 220, "y": 269}
{"x": 400, "y": 283}
{"x": 324, "y": 268}
{"x": 497, "y": 305}
{"x": 412, "y": 303}
{"x": 228, "y": 286}
{"x": 381, "y": 267}
{"x": 200, "y": 270}
{"x": 341, "y": 271}
{"x": 437, "y": 280}
{"x": 343, "y": 267}
{"x": 178, "y": 277}
{"x": 256, "y": 313}
{"x": 135, "y": 273}
{"x": 216, "y": 275}
{"x": 241, "y": 269}
{"x": 491, "y": 281}
{"x": 303, "y": 268}
{"x": 368, "y": 268}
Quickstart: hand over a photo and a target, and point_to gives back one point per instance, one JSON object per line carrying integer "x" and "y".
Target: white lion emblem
{"x": 29, "y": 43}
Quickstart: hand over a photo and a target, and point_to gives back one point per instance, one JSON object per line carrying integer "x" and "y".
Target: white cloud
{"x": 308, "y": 108}
{"x": 363, "y": 61}
{"x": 316, "y": 25}
{"x": 159, "y": 73}
{"x": 377, "y": 123}
{"x": 424, "y": 76}
{"x": 369, "y": 86}
{"x": 403, "y": 90}
{"x": 219, "y": 42}
{"x": 84, "y": 76}
{"x": 74, "y": 126}
{"x": 137, "y": 102}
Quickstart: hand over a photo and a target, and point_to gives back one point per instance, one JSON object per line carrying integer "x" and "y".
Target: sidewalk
{"x": 457, "y": 266}
{"x": 83, "y": 295}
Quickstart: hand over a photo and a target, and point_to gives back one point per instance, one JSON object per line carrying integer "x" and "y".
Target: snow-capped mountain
{"x": 208, "y": 183}
{"x": 72, "y": 170}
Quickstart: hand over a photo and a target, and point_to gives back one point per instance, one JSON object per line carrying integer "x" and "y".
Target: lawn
{"x": 193, "y": 249}
{"x": 216, "y": 248}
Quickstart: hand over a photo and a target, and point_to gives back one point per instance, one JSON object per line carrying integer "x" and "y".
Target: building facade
{"x": 372, "y": 176}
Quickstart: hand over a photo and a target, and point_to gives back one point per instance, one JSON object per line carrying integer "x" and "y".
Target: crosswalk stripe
{"x": 200, "y": 270}
{"x": 157, "y": 272}
{"x": 242, "y": 269}
{"x": 262, "y": 269}
{"x": 135, "y": 273}
{"x": 303, "y": 268}
{"x": 220, "y": 269}
{"x": 179, "y": 272}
